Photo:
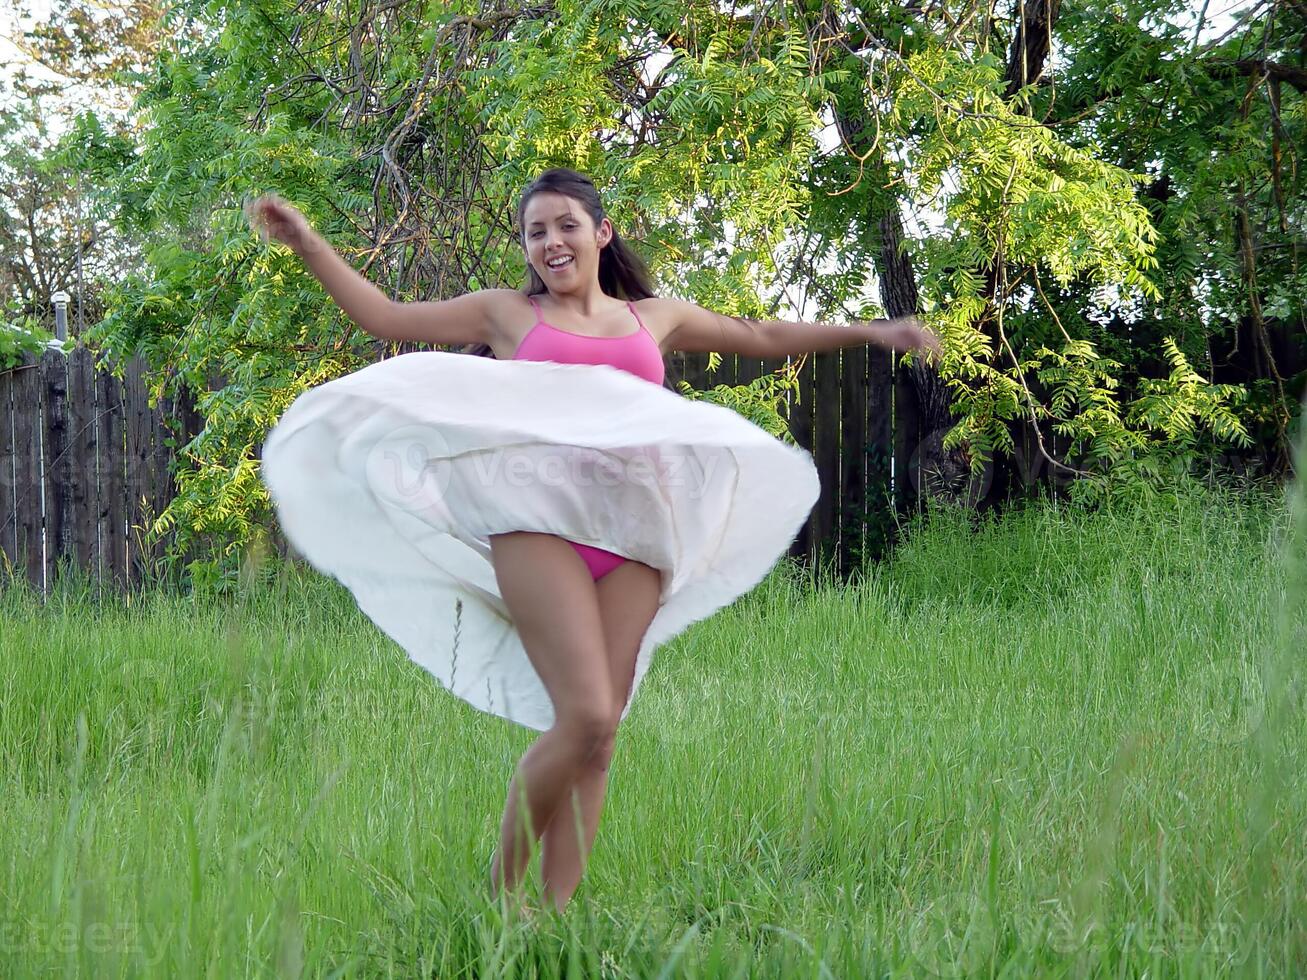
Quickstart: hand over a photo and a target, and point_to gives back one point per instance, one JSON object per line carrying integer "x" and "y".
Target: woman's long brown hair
{"x": 622, "y": 273}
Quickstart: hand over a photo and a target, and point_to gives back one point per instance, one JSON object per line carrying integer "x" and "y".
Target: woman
{"x": 548, "y": 590}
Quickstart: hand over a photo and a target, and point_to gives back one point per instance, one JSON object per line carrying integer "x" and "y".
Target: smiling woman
{"x": 571, "y": 247}
{"x": 532, "y": 525}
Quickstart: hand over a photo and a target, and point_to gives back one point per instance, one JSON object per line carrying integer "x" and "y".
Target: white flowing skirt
{"x": 392, "y": 479}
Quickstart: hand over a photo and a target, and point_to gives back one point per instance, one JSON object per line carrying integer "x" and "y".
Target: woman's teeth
{"x": 559, "y": 264}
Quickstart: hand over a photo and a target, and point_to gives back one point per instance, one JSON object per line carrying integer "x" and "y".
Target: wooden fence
{"x": 84, "y": 465}
{"x": 856, "y": 412}
{"x": 85, "y": 461}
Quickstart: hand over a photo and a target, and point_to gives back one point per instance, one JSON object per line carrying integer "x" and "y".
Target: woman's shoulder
{"x": 504, "y": 297}
{"x": 504, "y": 305}
{"x": 505, "y": 310}
{"x": 665, "y": 303}
{"x": 659, "y": 314}
{"x": 664, "y": 309}
{"x": 657, "y": 305}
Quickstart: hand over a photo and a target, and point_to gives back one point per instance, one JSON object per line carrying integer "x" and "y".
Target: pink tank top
{"x": 636, "y": 352}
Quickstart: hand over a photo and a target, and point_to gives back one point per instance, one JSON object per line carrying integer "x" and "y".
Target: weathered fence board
{"x": 826, "y": 452}
{"x": 136, "y": 419}
{"x": 112, "y": 510}
{"x": 907, "y": 438}
{"x": 161, "y": 483}
{"x": 879, "y": 455}
{"x": 8, "y": 474}
{"x": 853, "y": 491}
{"x": 82, "y": 536}
{"x": 801, "y": 427}
{"x": 56, "y": 463}
{"x": 28, "y": 419}
{"x": 83, "y": 465}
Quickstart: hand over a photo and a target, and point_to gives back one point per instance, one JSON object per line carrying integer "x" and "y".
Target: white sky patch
{"x": 77, "y": 97}
{"x": 11, "y": 25}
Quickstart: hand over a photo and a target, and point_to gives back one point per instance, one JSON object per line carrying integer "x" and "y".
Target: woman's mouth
{"x": 559, "y": 262}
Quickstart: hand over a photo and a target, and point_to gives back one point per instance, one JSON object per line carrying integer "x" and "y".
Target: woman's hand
{"x": 272, "y": 217}
{"x": 909, "y": 333}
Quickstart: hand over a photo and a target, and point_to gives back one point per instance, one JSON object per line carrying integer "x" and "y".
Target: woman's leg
{"x": 554, "y": 607}
{"x": 628, "y": 600}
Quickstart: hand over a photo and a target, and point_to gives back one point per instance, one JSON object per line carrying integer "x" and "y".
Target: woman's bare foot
{"x": 518, "y": 909}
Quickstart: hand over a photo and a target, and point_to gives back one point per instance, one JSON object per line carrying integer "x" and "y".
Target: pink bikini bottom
{"x": 599, "y": 562}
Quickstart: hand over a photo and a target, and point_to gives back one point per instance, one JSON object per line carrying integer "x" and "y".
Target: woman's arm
{"x": 465, "y": 319}
{"x": 361, "y": 300}
{"x": 901, "y": 333}
{"x": 697, "y": 330}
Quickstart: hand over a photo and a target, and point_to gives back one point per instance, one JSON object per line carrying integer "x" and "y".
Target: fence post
{"x": 57, "y": 462}
{"x": 907, "y": 438}
{"x": 9, "y": 480}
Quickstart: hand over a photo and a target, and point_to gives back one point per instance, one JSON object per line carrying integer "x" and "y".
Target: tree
{"x": 100, "y": 45}
{"x": 55, "y": 231}
{"x": 58, "y": 157}
{"x": 405, "y": 135}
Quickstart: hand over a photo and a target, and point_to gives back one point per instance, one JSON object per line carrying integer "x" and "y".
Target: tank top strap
{"x": 631, "y": 307}
{"x": 536, "y": 306}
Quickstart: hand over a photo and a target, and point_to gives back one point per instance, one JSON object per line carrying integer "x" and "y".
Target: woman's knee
{"x": 591, "y": 730}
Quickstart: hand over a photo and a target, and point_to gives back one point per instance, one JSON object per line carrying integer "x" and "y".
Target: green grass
{"x": 1060, "y": 743}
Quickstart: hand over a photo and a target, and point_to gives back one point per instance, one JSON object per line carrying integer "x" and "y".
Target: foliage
{"x": 1217, "y": 126}
{"x": 90, "y": 44}
{"x": 23, "y": 338}
{"x": 405, "y": 131}
{"x": 761, "y": 401}
{"x": 1156, "y": 440}
{"x": 1021, "y": 196}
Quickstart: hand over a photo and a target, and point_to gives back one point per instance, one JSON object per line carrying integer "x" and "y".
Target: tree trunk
{"x": 935, "y": 471}
{"x": 882, "y": 224}
{"x": 1025, "y": 65}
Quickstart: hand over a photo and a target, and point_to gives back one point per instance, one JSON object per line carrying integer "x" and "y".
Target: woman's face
{"x": 557, "y": 227}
